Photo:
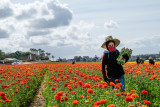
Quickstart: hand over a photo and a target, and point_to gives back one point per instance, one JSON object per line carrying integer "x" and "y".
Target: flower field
{"x": 79, "y": 85}
{"x": 19, "y": 83}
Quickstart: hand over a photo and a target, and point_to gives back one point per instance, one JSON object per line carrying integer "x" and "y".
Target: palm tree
{"x": 48, "y": 54}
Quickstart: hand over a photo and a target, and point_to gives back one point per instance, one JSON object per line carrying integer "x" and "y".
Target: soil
{"x": 39, "y": 100}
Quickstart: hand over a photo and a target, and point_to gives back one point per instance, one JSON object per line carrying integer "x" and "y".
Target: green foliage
{"x": 124, "y": 51}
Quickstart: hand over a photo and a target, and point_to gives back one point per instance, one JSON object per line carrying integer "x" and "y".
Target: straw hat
{"x": 150, "y": 57}
{"x": 109, "y": 38}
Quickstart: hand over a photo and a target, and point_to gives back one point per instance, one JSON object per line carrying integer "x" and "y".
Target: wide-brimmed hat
{"x": 150, "y": 57}
{"x": 109, "y": 38}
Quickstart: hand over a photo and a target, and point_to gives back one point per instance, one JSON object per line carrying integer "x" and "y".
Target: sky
{"x": 68, "y": 28}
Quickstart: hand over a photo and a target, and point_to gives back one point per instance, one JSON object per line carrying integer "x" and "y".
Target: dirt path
{"x": 39, "y": 100}
{"x": 29, "y": 62}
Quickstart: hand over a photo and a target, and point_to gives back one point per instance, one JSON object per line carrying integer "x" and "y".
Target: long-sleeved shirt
{"x": 113, "y": 69}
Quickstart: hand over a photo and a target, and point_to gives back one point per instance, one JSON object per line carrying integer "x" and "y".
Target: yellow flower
{"x": 87, "y": 101}
{"x": 10, "y": 89}
{"x": 115, "y": 90}
{"x": 107, "y": 92}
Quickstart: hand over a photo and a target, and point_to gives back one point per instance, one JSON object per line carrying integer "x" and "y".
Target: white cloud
{"x": 21, "y": 23}
{"x": 147, "y": 45}
{"x": 110, "y": 25}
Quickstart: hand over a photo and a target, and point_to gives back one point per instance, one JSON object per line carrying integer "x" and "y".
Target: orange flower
{"x": 138, "y": 103}
{"x": 90, "y": 91}
{"x": 132, "y": 91}
{"x": 134, "y": 76}
{"x": 116, "y": 80}
{"x": 143, "y": 106}
{"x": 87, "y": 97}
{"x": 118, "y": 94}
{"x": 133, "y": 95}
{"x": 111, "y": 83}
{"x": 49, "y": 82}
{"x": 120, "y": 84}
{"x": 111, "y": 105}
{"x": 137, "y": 96}
{"x": 75, "y": 102}
{"x": 66, "y": 93}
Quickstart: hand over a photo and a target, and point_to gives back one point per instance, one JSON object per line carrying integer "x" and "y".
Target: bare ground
{"x": 39, "y": 100}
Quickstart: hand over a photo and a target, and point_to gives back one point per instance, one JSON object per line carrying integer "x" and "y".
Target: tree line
{"x": 33, "y": 54}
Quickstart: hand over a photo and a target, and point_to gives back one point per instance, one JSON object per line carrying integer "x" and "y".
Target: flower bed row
{"x": 19, "y": 83}
{"x": 82, "y": 84}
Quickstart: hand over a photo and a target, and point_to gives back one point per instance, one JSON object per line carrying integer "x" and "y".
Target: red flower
{"x": 80, "y": 83}
{"x": 2, "y": 93}
{"x": 128, "y": 99}
{"x": 4, "y": 98}
{"x": 90, "y": 91}
{"x": 87, "y": 86}
{"x": 97, "y": 103}
{"x": 147, "y": 102}
{"x": 111, "y": 105}
{"x": 144, "y": 92}
{"x": 73, "y": 92}
{"x": 53, "y": 89}
{"x": 81, "y": 96}
{"x": 66, "y": 84}
{"x": 75, "y": 102}
{"x": 57, "y": 97}
{"x": 103, "y": 101}
{"x": 117, "y": 87}
{"x": 59, "y": 93}
{"x": 61, "y": 100}
{"x": 27, "y": 86}
{"x": 7, "y": 101}
{"x": 65, "y": 98}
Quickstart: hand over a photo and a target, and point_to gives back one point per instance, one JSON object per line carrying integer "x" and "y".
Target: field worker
{"x": 114, "y": 70}
{"x": 138, "y": 60}
{"x": 151, "y": 61}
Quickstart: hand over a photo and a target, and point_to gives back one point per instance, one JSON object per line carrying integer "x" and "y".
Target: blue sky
{"x": 67, "y": 28}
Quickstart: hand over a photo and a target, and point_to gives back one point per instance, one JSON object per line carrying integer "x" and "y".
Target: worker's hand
{"x": 125, "y": 56}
